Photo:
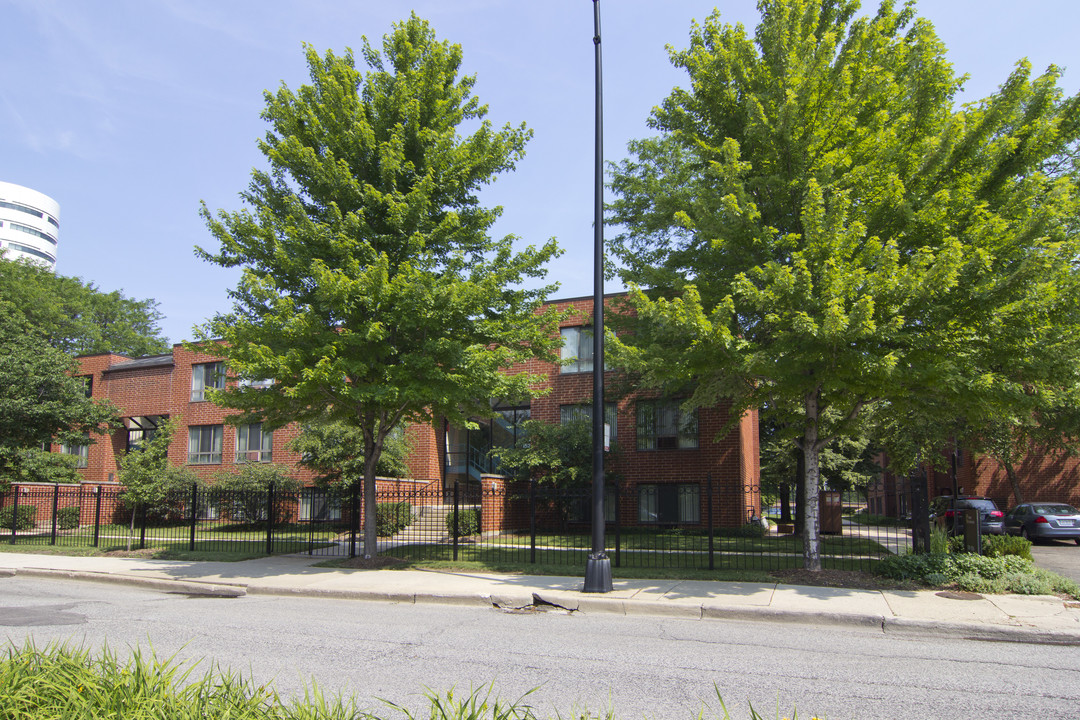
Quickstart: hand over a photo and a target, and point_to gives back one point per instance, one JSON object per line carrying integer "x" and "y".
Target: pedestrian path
{"x": 1025, "y": 618}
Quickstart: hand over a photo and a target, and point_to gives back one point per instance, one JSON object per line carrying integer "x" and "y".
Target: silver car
{"x": 1044, "y": 521}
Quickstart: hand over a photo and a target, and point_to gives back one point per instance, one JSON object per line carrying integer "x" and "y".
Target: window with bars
{"x": 206, "y": 376}
{"x": 204, "y": 444}
{"x": 669, "y": 503}
{"x": 253, "y": 444}
{"x": 664, "y": 425}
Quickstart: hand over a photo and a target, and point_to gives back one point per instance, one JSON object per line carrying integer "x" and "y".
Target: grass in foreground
{"x": 62, "y": 682}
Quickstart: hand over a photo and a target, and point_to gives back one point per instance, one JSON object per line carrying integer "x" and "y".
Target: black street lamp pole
{"x": 598, "y": 566}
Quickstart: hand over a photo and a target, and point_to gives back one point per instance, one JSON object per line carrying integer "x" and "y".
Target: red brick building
{"x": 664, "y": 455}
{"x": 1043, "y": 477}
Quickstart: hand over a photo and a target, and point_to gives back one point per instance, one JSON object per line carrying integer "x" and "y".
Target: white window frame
{"x": 206, "y": 376}
{"x": 263, "y": 449}
{"x": 198, "y": 436}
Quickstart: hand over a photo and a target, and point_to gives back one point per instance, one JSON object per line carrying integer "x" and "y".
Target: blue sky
{"x": 129, "y": 112}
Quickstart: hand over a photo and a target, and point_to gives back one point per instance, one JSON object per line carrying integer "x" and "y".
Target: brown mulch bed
{"x": 853, "y": 579}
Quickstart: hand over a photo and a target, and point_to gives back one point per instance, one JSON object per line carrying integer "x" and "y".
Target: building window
{"x": 142, "y": 429}
{"x": 31, "y": 251}
{"x": 206, "y": 376}
{"x": 31, "y": 231}
{"x": 21, "y": 208}
{"x": 507, "y": 429}
{"x": 80, "y": 451}
{"x": 204, "y": 444}
{"x": 88, "y": 384}
{"x": 669, "y": 503}
{"x": 583, "y": 411}
{"x": 577, "y": 350}
{"x": 664, "y": 425}
{"x": 253, "y": 444}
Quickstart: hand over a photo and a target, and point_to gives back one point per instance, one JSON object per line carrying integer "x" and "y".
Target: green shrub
{"x": 27, "y": 514}
{"x": 976, "y": 573}
{"x": 752, "y": 529}
{"x": 1028, "y": 584}
{"x": 939, "y": 540}
{"x": 1000, "y": 545}
{"x": 391, "y": 518}
{"x": 67, "y": 518}
{"x": 468, "y": 522}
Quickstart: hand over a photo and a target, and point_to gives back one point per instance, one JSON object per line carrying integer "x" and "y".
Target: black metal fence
{"x": 690, "y": 525}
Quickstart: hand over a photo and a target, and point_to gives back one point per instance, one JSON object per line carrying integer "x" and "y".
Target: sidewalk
{"x": 1018, "y": 618}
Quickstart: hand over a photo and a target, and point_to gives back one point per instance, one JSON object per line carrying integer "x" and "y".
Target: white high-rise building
{"x": 29, "y": 224}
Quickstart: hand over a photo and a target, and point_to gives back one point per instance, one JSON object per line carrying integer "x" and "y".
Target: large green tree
{"x": 372, "y": 292}
{"x": 821, "y": 231}
{"x": 78, "y": 318}
{"x": 40, "y": 400}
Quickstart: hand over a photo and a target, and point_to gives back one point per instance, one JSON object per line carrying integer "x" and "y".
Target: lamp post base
{"x": 598, "y": 573}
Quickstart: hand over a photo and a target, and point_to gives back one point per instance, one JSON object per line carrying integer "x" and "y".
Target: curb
{"x": 584, "y": 604}
{"x": 191, "y": 587}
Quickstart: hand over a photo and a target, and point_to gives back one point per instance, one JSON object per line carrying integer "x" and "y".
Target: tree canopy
{"x": 76, "y": 317}
{"x": 371, "y": 291}
{"x": 820, "y": 230}
{"x": 41, "y": 401}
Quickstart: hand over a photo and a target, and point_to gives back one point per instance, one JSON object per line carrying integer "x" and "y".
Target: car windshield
{"x": 1056, "y": 510}
{"x": 980, "y": 504}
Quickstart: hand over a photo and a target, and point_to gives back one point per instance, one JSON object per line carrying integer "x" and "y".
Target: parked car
{"x": 1044, "y": 521}
{"x": 991, "y": 520}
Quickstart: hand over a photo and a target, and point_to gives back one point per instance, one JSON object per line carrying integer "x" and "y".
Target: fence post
{"x": 311, "y": 517}
{"x": 142, "y": 526}
{"x": 457, "y": 500}
{"x": 55, "y": 509}
{"x": 194, "y": 513}
{"x": 618, "y": 526}
{"x": 97, "y": 514}
{"x": 15, "y": 513}
{"x": 532, "y": 520}
{"x": 354, "y": 520}
{"x": 709, "y": 515}
{"x": 270, "y": 519}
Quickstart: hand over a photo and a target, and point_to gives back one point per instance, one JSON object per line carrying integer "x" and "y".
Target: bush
{"x": 468, "y": 522}
{"x": 67, "y": 518}
{"x": 752, "y": 529}
{"x": 1001, "y": 545}
{"x": 27, "y": 514}
{"x": 392, "y": 518}
{"x": 967, "y": 571}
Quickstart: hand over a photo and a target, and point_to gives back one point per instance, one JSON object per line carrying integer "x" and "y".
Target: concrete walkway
{"x": 1018, "y": 618}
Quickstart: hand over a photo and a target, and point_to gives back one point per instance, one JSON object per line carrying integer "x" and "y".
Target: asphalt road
{"x": 641, "y": 666}
{"x": 1060, "y": 557}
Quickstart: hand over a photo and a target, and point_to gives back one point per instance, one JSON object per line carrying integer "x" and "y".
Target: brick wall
{"x": 162, "y": 386}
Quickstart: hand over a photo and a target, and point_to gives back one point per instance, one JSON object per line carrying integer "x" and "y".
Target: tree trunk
{"x": 800, "y": 489}
{"x": 1010, "y": 471}
{"x": 785, "y": 503}
{"x": 811, "y": 453}
{"x": 371, "y": 537}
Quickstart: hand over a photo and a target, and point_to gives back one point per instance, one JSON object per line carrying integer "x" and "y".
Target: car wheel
{"x": 1076, "y": 540}
{"x": 1024, "y": 534}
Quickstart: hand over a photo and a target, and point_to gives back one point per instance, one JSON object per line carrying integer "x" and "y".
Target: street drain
{"x": 959, "y": 595}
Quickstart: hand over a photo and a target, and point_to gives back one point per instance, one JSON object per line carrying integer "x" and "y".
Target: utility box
{"x": 830, "y": 512}
{"x": 972, "y": 531}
